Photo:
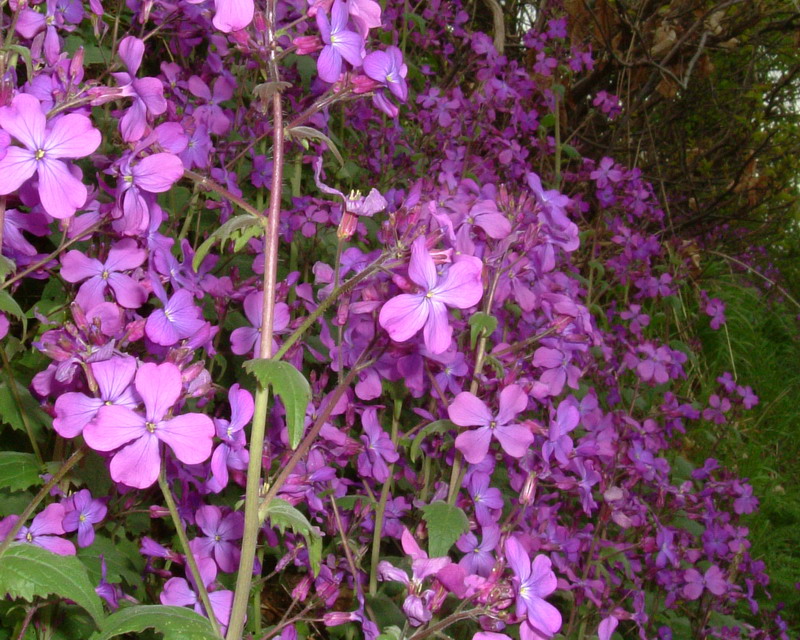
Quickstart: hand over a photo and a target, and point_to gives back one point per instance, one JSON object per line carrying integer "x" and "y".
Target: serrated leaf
{"x": 174, "y": 623}
{"x": 27, "y": 571}
{"x": 440, "y": 426}
{"x": 446, "y": 523}
{"x": 122, "y": 558}
{"x": 237, "y": 224}
{"x": 292, "y": 387}
{"x": 310, "y": 133}
{"x": 480, "y": 323}
{"x": 283, "y": 515}
{"x": 9, "y": 305}
{"x": 18, "y": 470}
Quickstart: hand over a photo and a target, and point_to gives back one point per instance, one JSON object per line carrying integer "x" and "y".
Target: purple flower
{"x": 559, "y": 443}
{"x": 339, "y": 43}
{"x": 485, "y": 498}
{"x": 137, "y": 437}
{"x": 388, "y": 67}
{"x": 147, "y": 93}
{"x": 220, "y": 532}
{"x": 181, "y": 593}
{"x": 461, "y": 287}
{"x": 713, "y": 580}
{"x": 378, "y": 448}
{"x": 232, "y": 452}
{"x": 75, "y": 410}
{"x": 479, "y": 558}
{"x": 467, "y": 411}
{"x": 246, "y": 340}
{"x": 99, "y": 276}
{"x": 178, "y": 320}
{"x": 533, "y": 581}
{"x": 44, "y": 530}
{"x": 69, "y": 136}
{"x": 82, "y": 514}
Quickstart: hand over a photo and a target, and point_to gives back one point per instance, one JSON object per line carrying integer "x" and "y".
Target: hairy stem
{"x": 199, "y": 585}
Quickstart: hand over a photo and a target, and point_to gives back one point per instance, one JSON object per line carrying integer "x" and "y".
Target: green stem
{"x": 43, "y": 493}
{"x": 199, "y": 585}
{"x": 209, "y": 184}
{"x": 327, "y": 302}
{"x": 381, "y": 508}
{"x": 252, "y": 522}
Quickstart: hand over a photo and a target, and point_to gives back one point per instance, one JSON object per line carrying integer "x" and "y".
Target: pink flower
{"x": 137, "y": 437}
{"x": 461, "y": 287}
{"x": 468, "y": 411}
{"x": 69, "y": 136}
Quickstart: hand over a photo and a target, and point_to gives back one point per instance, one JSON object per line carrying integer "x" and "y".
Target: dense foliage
{"x": 329, "y": 320}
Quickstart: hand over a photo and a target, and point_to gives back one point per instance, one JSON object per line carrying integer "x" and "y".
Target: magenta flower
{"x": 469, "y": 411}
{"x": 69, "y": 136}
{"x": 100, "y": 276}
{"x": 147, "y": 93}
{"x": 75, "y": 410}
{"x": 713, "y": 580}
{"x": 44, "y": 530}
{"x": 246, "y": 340}
{"x": 233, "y": 15}
{"x": 339, "y": 43}
{"x": 366, "y": 15}
{"x": 182, "y": 593}
{"x": 388, "y": 67}
{"x": 533, "y": 581}
{"x": 479, "y": 558}
{"x": 232, "y": 452}
{"x": 378, "y": 448}
{"x": 220, "y": 532}
{"x": 137, "y": 437}
{"x": 82, "y": 515}
{"x": 179, "y": 319}
{"x": 461, "y": 287}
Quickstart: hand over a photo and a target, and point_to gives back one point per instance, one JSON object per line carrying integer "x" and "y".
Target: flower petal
{"x": 114, "y": 426}
{"x": 404, "y": 315}
{"x": 514, "y": 438}
{"x": 73, "y": 412}
{"x": 474, "y": 444}
{"x": 160, "y": 387}
{"x": 461, "y": 287}
{"x": 138, "y": 464}
{"x": 15, "y": 168}
{"x": 189, "y": 436}
{"x": 72, "y": 136}
{"x": 24, "y": 120}
{"x": 61, "y": 193}
{"x": 469, "y": 411}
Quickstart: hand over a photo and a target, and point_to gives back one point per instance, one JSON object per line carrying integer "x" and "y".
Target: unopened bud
{"x": 528, "y": 493}
{"x": 76, "y": 66}
{"x": 307, "y": 44}
{"x": 259, "y": 22}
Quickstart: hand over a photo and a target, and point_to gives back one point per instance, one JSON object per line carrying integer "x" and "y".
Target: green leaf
{"x": 10, "y": 413}
{"x": 174, "y": 623}
{"x": 570, "y": 152}
{"x": 480, "y": 324}
{"x": 237, "y": 225}
{"x": 310, "y": 133}
{"x": 122, "y": 558}
{"x": 18, "y": 470}
{"x": 7, "y": 267}
{"x": 548, "y": 120}
{"x": 9, "y": 305}
{"x": 292, "y": 387}
{"x": 440, "y": 426}
{"x": 283, "y": 515}
{"x": 446, "y": 523}
{"x": 27, "y": 571}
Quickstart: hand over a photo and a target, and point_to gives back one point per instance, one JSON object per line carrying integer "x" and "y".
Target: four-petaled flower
{"x": 406, "y": 314}
{"x": 339, "y": 41}
{"x": 533, "y": 581}
{"x": 69, "y": 136}
{"x": 469, "y": 411}
{"x": 138, "y": 460}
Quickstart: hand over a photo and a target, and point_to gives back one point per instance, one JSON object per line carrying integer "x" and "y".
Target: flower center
{"x": 151, "y": 426}
{"x": 29, "y": 537}
{"x": 39, "y": 154}
{"x": 105, "y": 275}
{"x": 493, "y": 424}
{"x": 217, "y": 538}
{"x": 82, "y": 517}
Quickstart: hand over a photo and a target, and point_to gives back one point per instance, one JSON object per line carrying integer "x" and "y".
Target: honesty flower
{"x": 468, "y": 411}
{"x": 533, "y": 581}
{"x": 233, "y": 15}
{"x": 339, "y": 41}
{"x": 388, "y": 67}
{"x": 82, "y": 514}
{"x": 461, "y": 287}
{"x": 137, "y": 437}
{"x": 69, "y": 136}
